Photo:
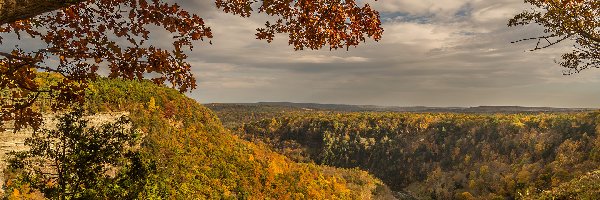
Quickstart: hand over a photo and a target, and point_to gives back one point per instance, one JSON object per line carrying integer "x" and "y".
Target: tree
{"x": 84, "y": 36}
{"x": 566, "y": 20}
{"x": 13, "y": 10}
{"x": 75, "y": 161}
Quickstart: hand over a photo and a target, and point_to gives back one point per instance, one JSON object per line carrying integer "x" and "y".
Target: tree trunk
{"x": 13, "y": 10}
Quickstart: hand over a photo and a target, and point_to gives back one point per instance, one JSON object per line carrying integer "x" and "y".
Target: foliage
{"x": 562, "y": 20}
{"x": 232, "y": 115}
{"x": 75, "y": 161}
{"x": 88, "y": 35}
{"x": 85, "y": 36}
{"x": 443, "y": 156}
{"x": 585, "y": 187}
{"x": 313, "y": 24}
{"x": 196, "y": 158}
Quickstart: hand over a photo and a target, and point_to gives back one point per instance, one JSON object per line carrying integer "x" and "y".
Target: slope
{"x": 195, "y": 157}
{"x": 584, "y": 187}
{"x": 443, "y": 156}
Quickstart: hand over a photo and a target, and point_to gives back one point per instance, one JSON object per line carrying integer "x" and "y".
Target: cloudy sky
{"x": 433, "y": 53}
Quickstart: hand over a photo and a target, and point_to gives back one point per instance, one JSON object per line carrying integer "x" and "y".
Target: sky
{"x": 433, "y": 53}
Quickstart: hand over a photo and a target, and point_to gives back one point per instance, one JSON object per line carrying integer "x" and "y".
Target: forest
{"x": 295, "y": 153}
{"x": 66, "y": 61}
{"x": 442, "y": 155}
{"x": 187, "y": 153}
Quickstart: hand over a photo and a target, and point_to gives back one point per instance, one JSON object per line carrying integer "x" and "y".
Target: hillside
{"x": 197, "y": 158}
{"x": 584, "y": 187}
{"x": 445, "y": 155}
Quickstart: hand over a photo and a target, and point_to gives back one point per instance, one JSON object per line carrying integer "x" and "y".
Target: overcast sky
{"x": 433, "y": 53}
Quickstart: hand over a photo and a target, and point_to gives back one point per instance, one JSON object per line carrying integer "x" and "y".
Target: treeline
{"x": 443, "y": 156}
{"x": 232, "y": 115}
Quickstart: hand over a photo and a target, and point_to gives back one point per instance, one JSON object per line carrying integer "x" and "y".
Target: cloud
{"x": 433, "y": 53}
{"x": 326, "y": 59}
{"x": 421, "y": 7}
{"x": 444, "y": 53}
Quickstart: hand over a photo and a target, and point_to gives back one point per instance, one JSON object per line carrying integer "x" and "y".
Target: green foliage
{"x": 75, "y": 161}
{"x": 443, "y": 156}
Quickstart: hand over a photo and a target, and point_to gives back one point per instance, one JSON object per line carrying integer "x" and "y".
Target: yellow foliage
{"x": 199, "y": 159}
{"x": 464, "y": 196}
{"x": 484, "y": 169}
{"x": 152, "y": 104}
{"x": 467, "y": 159}
{"x": 15, "y": 194}
{"x": 25, "y": 192}
{"x": 472, "y": 184}
{"x": 277, "y": 166}
{"x": 523, "y": 176}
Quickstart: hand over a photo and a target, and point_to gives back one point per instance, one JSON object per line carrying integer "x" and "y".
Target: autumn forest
{"x": 167, "y": 99}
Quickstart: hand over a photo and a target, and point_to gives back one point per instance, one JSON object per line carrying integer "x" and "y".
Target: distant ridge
{"x": 374, "y": 108}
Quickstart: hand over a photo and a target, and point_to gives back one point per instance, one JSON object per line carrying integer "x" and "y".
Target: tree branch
{"x": 588, "y": 35}
{"x": 14, "y": 10}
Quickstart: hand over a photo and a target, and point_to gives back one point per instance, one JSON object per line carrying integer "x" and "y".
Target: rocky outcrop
{"x": 11, "y": 140}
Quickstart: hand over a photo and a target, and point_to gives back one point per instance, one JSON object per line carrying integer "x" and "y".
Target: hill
{"x": 195, "y": 157}
{"x": 373, "y": 108}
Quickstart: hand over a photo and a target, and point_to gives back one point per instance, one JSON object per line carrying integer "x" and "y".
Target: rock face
{"x": 11, "y": 141}
{"x": 15, "y": 141}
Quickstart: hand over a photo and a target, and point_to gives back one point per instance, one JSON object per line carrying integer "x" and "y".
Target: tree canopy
{"x": 440, "y": 155}
{"x": 84, "y": 36}
{"x": 566, "y": 20}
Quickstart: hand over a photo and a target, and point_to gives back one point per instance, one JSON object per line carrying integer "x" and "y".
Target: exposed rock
{"x": 15, "y": 141}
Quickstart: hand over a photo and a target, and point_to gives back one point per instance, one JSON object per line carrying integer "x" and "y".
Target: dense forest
{"x": 298, "y": 153}
{"x": 444, "y": 155}
{"x": 168, "y": 146}
{"x": 189, "y": 154}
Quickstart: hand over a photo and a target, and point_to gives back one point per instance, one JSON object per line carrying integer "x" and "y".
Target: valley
{"x": 521, "y": 155}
